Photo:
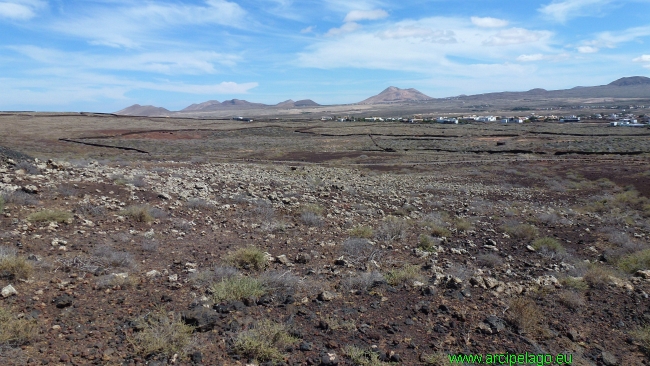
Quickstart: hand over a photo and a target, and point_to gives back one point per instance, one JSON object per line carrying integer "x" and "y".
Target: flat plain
{"x": 137, "y": 240}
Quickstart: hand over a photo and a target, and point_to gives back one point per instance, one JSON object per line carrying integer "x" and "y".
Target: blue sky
{"x": 104, "y": 55}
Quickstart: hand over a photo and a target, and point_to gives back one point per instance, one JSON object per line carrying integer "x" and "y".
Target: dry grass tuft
{"x": 361, "y": 357}
{"x": 408, "y": 273}
{"x": 16, "y": 331}
{"x": 161, "y": 333}
{"x": 524, "y": 315}
{"x": 237, "y": 288}
{"x": 362, "y": 231}
{"x": 50, "y": 216}
{"x": 248, "y": 258}
{"x": 17, "y": 267}
{"x": 265, "y": 342}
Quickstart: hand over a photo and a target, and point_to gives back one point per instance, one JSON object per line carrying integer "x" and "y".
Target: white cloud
{"x": 357, "y": 15}
{"x": 488, "y": 22}
{"x": 345, "y": 28}
{"x": 515, "y": 36}
{"x": 20, "y": 9}
{"x": 561, "y": 11}
{"x": 464, "y": 52}
{"x": 530, "y": 58}
{"x": 642, "y": 58}
{"x": 423, "y": 34}
{"x": 307, "y": 29}
{"x": 587, "y": 49}
{"x": 612, "y": 39}
{"x": 128, "y": 26}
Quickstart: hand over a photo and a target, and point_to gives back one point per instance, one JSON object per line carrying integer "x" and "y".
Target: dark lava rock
{"x": 329, "y": 359}
{"x": 202, "y": 318}
{"x": 496, "y": 324}
{"x": 197, "y": 357}
{"x": 305, "y": 346}
{"x": 63, "y": 301}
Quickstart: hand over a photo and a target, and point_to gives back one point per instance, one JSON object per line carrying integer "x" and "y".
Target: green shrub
{"x": 408, "y": 273}
{"x": 237, "y": 288}
{"x": 635, "y": 261}
{"x": 2, "y": 203}
{"x": 15, "y": 331}
{"x": 437, "y": 359}
{"x": 548, "y": 243}
{"x": 248, "y": 258}
{"x": 50, "y": 216}
{"x": 362, "y": 231}
{"x": 159, "y": 333}
{"x": 265, "y": 342}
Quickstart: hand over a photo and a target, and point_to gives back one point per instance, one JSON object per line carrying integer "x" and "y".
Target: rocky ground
{"x": 142, "y": 262}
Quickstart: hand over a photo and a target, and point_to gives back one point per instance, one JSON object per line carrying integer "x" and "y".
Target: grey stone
{"x": 609, "y": 359}
{"x": 8, "y": 291}
{"x": 202, "y": 318}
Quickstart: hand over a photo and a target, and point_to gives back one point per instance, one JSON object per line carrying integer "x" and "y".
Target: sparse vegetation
{"x": 598, "y": 276}
{"x": 521, "y": 231}
{"x": 571, "y": 299}
{"x": 362, "y": 231}
{"x": 266, "y": 341}
{"x": 57, "y": 216}
{"x": 248, "y": 258}
{"x": 427, "y": 243}
{"x": 548, "y": 243}
{"x": 16, "y": 267}
{"x": 15, "y": 331}
{"x": 361, "y": 357}
{"x": 524, "y": 315}
{"x": 237, "y": 288}
{"x": 642, "y": 335}
{"x": 161, "y": 333}
{"x": 408, "y": 273}
{"x": 636, "y": 261}
{"x": 392, "y": 228}
{"x": 139, "y": 213}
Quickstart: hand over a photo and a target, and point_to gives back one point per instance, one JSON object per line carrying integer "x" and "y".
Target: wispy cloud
{"x": 130, "y": 25}
{"x": 514, "y": 36}
{"x": 168, "y": 63}
{"x": 488, "y": 22}
{"x": 420, "y": 33}
{"x": 587, "y": 49}
{"x": 20, "y": 9}
{"x": 530, "y": 58}
{"x": 563, "y": 10}
{"x": 345, "y": 28}
{"x": 644, "y": 59}
{"x": 358, "y": 15}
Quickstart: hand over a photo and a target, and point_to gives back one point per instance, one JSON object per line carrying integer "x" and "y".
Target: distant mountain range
{"x": 627, "y": 87}
{"x": 212, "y": 106}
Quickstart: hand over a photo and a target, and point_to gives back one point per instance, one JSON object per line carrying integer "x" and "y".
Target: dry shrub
{"x": 524, "y": 315}
{"x": 160, "y": 333}
{"x": 489, "y": 260}
{"x": 16, "y": 331}
{"x": 18, "y": 198}
{"x": 364, "y": 281}
{"x": 248, "y": 258}
{"x": 521, "y": 231}
{"x": 139, "y": 213}
{"x": 114, "y": 258}
{"x": 50, "y": 216}
{"x": 571, "y": 299}
{"x": 264, "y": 342}
{"x": 115, "y": 281}
{"x": 17, "y": 267}
{"x": 361, "y": 357}
{"x": 635, "y": 261}
{"x": 362, "y": 231}
{"x": 392, "y": 228}
{"x": 598, "y": 276}
{"x": 237, "y": 288}
{"x": 642, "y": 335}
{"x": 408, "y": 273}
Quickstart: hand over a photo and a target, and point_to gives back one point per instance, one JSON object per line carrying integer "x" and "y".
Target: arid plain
{"x": 143, "y": 240}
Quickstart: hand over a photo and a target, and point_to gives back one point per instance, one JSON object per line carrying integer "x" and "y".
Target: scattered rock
{"x": 609, "y": 359}
{"x": 329, "y": 359}
{"x": 31, "y": 189}
{"x": 326, "y": 296}
{"x": 63, "y": 301}
{"x": 202, "y": 318}
{"x": 8, "y": 291}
